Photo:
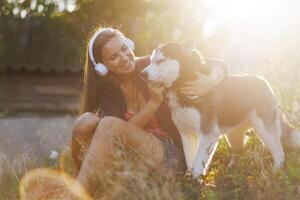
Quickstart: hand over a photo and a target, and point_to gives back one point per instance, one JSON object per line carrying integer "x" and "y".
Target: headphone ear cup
{"x": 101, "y": 69}
{"x": 129, "y": 43}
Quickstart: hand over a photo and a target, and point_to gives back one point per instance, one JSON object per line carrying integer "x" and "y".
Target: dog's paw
{"x": 194, "y": 178}
{"x": 200, "y": 180}
{"x": 188, "y": 175}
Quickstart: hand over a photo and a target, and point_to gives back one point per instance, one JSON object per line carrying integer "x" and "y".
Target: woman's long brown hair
{"x": 89, "y": 94}
{"x": 95, "y": 87}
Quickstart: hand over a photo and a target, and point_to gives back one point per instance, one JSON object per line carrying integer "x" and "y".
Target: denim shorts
{"x": 174, "y": 160}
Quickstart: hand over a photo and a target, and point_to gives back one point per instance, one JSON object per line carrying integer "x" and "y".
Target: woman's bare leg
{"x": 99, "y": 155}
{"x": 83, "y": 133}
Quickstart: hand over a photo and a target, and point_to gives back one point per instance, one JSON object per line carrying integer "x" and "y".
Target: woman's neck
{"x": 124, "y": 79}
{"x": 131, "y": 93}
{"x": 127, "y": 85}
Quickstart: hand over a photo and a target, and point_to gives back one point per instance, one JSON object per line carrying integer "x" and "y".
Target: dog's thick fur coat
{"x": 237, "y": 99}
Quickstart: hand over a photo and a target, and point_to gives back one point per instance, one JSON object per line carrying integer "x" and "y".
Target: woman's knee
{"x": 111, "y": 126}
{"x": 83, "y": 132}
{"x": 84, "y": 129}
{"x": 86, "y": 124}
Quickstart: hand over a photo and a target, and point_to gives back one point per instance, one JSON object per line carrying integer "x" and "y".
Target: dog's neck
{"x": 175, "y": 97}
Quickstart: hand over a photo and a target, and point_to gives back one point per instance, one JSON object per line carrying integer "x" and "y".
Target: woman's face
{"x": 117, "y": 56}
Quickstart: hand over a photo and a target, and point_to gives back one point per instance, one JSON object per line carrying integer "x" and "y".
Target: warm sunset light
{"x": 265, "y": 15}
{"x": 50, "y": 184}
{"x": 249, "y": 9}
{"x": 149, "y": 99}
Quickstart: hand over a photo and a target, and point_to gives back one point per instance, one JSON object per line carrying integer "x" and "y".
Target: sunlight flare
{"x": 47, "y": 183}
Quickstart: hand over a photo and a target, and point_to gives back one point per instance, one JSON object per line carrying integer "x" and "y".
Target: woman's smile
{"x": 118, "y": 57}
{"x": 129, "y": 64}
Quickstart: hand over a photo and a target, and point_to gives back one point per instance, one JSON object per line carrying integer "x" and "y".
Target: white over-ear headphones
{"x": 100, "y": 68}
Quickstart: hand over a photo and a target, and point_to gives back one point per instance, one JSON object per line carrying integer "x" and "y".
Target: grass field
{"x": 251, "y": 178}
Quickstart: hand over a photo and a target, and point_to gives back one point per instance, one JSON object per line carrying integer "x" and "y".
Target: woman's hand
{"x": 156, "y": 93}
{"x": 203, "y": 84}
{"x": 143, "y": 117}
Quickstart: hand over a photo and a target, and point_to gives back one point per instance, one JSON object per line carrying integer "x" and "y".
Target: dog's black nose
{"x": 144, "y": 75}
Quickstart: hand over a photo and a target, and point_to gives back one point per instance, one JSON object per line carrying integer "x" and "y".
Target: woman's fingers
{"x": 192, "y": 97}
{"x": 156, "y": 88}
{"x": 200, "y": 82}
{"x": 186, "y": 89}
{"x": 189, "y": 83}
{"x": 200, "y": 75}
{"x": 199, "y": 87}
{"x": 191, "y": 90}
{"x": 156, "y": 91}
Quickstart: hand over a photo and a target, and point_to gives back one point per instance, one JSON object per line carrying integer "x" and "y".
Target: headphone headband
{"x": 91, "y": 45}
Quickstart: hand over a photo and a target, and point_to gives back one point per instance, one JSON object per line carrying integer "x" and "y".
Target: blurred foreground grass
{"x": 251, "y": 178}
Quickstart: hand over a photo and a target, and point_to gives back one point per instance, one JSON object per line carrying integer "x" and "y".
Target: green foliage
{"x": 20, "y": 9}
{"x": 253, "y": 177}
{"x": 53, "y": 40}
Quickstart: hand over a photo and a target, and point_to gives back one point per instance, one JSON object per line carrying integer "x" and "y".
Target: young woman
{"x": 127, "y": 107}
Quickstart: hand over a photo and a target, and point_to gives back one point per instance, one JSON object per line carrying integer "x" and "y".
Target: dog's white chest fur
{"x": 186, "y": 119}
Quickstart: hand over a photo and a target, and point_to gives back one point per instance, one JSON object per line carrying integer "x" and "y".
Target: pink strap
{"x": 128, "y": 115}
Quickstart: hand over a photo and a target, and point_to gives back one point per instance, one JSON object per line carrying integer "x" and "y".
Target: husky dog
{"x": 237, "y": 99}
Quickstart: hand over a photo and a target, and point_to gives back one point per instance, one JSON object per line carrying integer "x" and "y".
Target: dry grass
{"x": 251, "y": 178}
{"x": 129, "y": 178}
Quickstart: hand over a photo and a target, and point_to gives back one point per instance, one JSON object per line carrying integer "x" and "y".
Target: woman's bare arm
{"x": 204, "y": 83}
{"x": 142, "y": 118}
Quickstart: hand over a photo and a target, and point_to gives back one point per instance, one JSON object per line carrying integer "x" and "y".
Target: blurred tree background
{"x": 258, "y": 36}
{"x": 51, "y": 34}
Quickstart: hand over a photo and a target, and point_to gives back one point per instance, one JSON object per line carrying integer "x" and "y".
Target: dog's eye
{"x": 161, "y": 60}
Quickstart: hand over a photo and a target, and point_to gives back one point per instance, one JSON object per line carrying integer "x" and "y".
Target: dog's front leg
{"x": 207, "y": 146}
{"x": 190, "y": 145}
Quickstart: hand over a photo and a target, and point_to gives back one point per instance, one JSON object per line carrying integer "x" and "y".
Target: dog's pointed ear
{"x": 189, "y": 46}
